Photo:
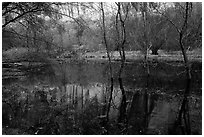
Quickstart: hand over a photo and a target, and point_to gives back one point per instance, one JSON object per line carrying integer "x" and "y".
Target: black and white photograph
{"x": 101, "y": 68}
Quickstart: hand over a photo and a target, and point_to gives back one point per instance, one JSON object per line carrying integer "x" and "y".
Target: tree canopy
{"x": 55, "y": 24}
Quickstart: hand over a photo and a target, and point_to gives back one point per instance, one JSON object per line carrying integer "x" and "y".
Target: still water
{"x": 72, "y": 97}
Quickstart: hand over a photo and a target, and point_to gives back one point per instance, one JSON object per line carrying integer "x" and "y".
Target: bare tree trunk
{"x": 181, "y": 33}
{"x": 34, "y": 41}
{"x": 27, "y": 42}
{"x": 122, "y": 115}
{"x": 120, "y": 43}
{"x": 78, "y": 8}
{"x": 76, "y": 97}
{"x": 184, "y": 106}
{"x": 144, "y": 15}
{"x": 73, "y": 94}
{"x": 109, "y": 60}
{"x": 184, "y": 111}
{"x": 82, "y": 97}
{"x": 123, "y": 37}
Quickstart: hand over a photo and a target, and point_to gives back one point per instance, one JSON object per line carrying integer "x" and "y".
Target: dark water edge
{"x": 71, "y": 98}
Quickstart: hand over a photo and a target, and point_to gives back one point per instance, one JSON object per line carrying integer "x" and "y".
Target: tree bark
{"x": 109, "y": 60}
{"x": 122, "y": 118}
{"x": 184, "y": 110}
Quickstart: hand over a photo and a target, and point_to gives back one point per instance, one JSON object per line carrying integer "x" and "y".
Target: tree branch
{"x": 176, "y": 27}
{"x": 5, "y": 5}
{"x": 38, "y": 39}
{"x": 21, "y": 15}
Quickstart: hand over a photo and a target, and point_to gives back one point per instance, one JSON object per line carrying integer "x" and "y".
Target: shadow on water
{"x": 140, "y": 112}
{"x": 73, "y": 100}
{"x": 182, "y": 124}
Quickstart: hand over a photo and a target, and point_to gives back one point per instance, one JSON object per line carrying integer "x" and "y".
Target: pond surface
{"x": 72, "y": 98}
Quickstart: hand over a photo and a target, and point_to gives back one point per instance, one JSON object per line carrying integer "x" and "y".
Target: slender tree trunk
{"x": 184, "y": 110}
{"x": 61, "y": 40}
{"x": 73, "y": 94}
{"x": 120, "y": 43}
{"x": 109, "y": 59}
{"x": 78, "y": 8}
{"x": 144, "y": 15}
{"x": 82, "y": 97}
{"x": 76, "y": 97}
{"x": 34, "y": 40}
{"x": 184, "y": 106}
{"x": 123, "y": 106}
{"x": 27, "y": 42}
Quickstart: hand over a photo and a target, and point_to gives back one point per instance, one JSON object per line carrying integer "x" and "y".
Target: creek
{"x": 72, "y": 97}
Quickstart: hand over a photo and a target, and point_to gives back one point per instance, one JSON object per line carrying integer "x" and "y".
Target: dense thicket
{"x": 49, "y": 26}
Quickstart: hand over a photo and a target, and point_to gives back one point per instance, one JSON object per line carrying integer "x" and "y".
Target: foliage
{"x": 34, "y": 34}
{"x": 18, "y": 11}
{"x": 47, "y": 116}
{"x": 57, "y": 26}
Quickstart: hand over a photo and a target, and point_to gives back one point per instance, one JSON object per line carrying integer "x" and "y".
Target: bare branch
{"x": 176, "y": 27}
{"x": 5, "y": 5}
{"x": 39, "y": 39}
{"x": 21, "y": 15}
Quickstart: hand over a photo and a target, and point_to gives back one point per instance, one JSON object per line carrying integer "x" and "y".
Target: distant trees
{"x": 158, "y": 31}
{"x": 161, "y": 34}
{"x": 27, "y": 22}
{"x": 40, "y": 25}
{"x": 80, "y": 28}
{"x": 176, "y": 14}
{"x": 125, "y": 26}
{"x": 187, "y": 35}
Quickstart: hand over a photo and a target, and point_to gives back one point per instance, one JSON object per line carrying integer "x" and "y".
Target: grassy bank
{"x": 22, "y": 54}
{"x": 195, "y": 55}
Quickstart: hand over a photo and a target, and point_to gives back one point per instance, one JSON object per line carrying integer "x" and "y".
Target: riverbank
{"x": 69, "y": 95}
{"x": 71, "y": 98}
{"x": 195, "y": 55}
{"x": 23, "y": 54}
{"x": 17, "y": 62}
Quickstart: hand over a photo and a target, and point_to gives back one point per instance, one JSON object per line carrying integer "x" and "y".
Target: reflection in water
{"x": 139, "y": 114}
{"x": 145, "y": 113}
{"x": 123, "y": 105}
{"x": 74, "y": 101}
{"x": 182, "y": 124}
{"x": 80, "y": 96}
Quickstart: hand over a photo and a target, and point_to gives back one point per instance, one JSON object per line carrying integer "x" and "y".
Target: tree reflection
{"x": 122, "y": 112}
{"x": 140, "y": 111}
{"x": 182, "y": 124}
